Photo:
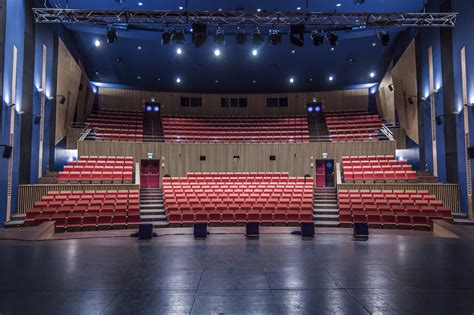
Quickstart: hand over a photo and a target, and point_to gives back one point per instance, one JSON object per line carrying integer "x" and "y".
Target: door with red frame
{"x": 150, "y": 174}
{"x": 324, "y": 173}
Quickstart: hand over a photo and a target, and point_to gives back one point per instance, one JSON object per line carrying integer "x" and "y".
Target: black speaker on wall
{"x": 37, "y": 120}
{"x": 7, "y": 151}
{"x": 470, "y": 153}
{"x": 439, "y": 120}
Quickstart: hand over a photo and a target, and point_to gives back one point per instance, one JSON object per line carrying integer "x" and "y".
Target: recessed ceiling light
{"x": 372, "y": 74}
{"x": 97, "y": 73}
{"x": 181, "y": 8}
{"x": 217, "y": 52}
{"x": 178, "y": 80}
{"x": 258, "y": 10}
{"x": 254, "y": 52}
{"x": 311, "y": 80}
{"x": 293, "y": 51}
{"x": 254, "y": 81}
{"x": 139, "y": 47}
{"x": 140, "y": 3}
{"x": 292, "y": 80}
{"x": 159, "y": 79}
{"x": 332, "y": 48}
{"x": 179, "y": 51}
{"x": 139, "y": 77}
{"x": 220, "y": 9}
{"x": 97, "y": 43}
{"x": 298, "y": 8}
{"x": 331, "y": 78}
{"x": 374, "y": 44}
{"x": 217, "y": 81}
{"x": 338, "y": 5}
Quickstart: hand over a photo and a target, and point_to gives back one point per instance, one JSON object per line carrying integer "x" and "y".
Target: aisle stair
{"x": 326, "y": 210}
{"x": 152, "y": 208}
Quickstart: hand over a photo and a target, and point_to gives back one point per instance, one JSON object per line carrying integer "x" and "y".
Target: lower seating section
{"x": 87, "y": 210}
{"x": 233, "y": 198}
{"x": 380, "y": 168}
{"x": 353, "y": 126}
{"x": 391, "y": 208}
{"x": 98, "y": 170}
{"x": 236, "y": 129}
{"x": 117, "y": 125}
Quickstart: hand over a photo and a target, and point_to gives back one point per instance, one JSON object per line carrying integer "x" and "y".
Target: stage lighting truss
{"x": 324, "y": 21}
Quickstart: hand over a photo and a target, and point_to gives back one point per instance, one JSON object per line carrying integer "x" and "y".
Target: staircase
{"x": 152, "y": 128}
{"x": 16, "y": 220}
{"x": 462, "y": 219}
{"x": 326, "y": 210}
{"x": 317, "y": 127}
{"x": 152, "y": 208}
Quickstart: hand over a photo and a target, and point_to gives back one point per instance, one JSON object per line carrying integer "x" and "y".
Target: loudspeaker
{"x": 7, "y": 152}
{"x": 470, "y": 153}
{"x": 252, "y": 229}
{"x": 200, "y": 230}
{"x": 307, "y": 229}
{"x": 439, "y": 120}
{"x": 361, "y": 231}
{"x": 145, "y": 231}
{"x": 37, "y": 120}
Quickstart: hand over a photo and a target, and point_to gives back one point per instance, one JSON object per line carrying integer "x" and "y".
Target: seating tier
{"x": 353, "y": 126}
{"x": 238, "y": 198}
{"x": 391, "y": 208}
{"x": 117, "y": 125}
{"x": 380, "y": 168}
{"x": 75, "y": 210}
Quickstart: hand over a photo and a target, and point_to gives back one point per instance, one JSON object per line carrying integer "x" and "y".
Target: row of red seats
{"x": 351, "y": 159}
{"x": 91, "y": 209}
{"x": 87, "y": 177}
{"x": 378, "y": 169}
{"x": 240, "y": 217}
{"x": 355, "y": 137}
{"x": 391, "y": 208}
{"x": 123, "y": 126}
{"x": 353, "y": 126}
{"x": 347, "y": 113}
{"x": 214, "y": 139}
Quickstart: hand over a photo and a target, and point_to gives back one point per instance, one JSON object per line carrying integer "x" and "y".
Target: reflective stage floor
{"x": 392, "y": 273}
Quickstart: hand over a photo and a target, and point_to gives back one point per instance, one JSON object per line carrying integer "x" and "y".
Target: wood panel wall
{"x": 179, "y": 158}
{"x": 69, "y": 79}
{"x": 357, "y": 99}
{"x": 385, "y": 98}
{"x": 29, "y": 194}
{"x": 405, "y": 86}
{"x": 448, "y": 193}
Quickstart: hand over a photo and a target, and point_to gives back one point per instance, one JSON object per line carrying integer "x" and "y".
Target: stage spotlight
{"x": 332, "y": 38}
{"x": 219, "y": 37}
{"x": 257, "y": 37}
{"x": 241, "y": 37}
{"x": 297, "y": 34}
{"x": 199, "y": 36}
{"x": 156, "y": 109}
{"x": 148, "y": 108}
{"x": 111, "y": 35}
{"x": 166, "y": 37}
{"x": 178, "y": 37}
{"x": 317, "y": 38}
{"x": 384, "y": 37}
{"x": 274, "y": 37}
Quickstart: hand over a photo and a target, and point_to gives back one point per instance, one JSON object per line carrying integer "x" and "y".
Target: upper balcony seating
{"x": 228, "y": 198}
{"x": 235, "y": 129}
{"x": 98, "y": 170}
{"x": 353, "y": 126}
{"x": 75, "y": 210}
{"x": 387, "y": 208}
{"x": 376, "y": 168}
{"x": 117, "y": 125}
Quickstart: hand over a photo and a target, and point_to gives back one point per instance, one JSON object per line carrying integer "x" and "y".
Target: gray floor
{"x": 227, "y": 274}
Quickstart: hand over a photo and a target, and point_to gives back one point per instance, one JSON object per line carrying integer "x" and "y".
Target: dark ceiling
{"x": 139, "y": 60}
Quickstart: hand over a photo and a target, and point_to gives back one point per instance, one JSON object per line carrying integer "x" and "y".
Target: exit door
{"x": 150, "y": 174}
{"x": 324, "y": 173}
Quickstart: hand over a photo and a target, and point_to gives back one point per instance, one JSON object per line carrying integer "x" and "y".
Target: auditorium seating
{"x": 117, "y": 125}
{"x": 87, "y": 210}
{"x": 233, "y": 198}
{"x": 235, "y": 129}
{"x": 353, "y": 126}
{"x": 380, "y": 168}
{"x": 98, "y": 170}
{"x": 391, "y": 208}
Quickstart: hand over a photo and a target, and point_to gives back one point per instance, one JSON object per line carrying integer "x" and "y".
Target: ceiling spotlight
{"x": 384, "y": 37}
{"x": 254, "y": 52}
{"x": 181, "y": 8}
{"x": 97, "y": 43}
{"x": 219, "y": 37}
{"x": 217, "y": 52}
{"x": 259, "y": 10}
{"x": 140, "y": 4}
{"x": 331, "y": 78}
{"x": 179, "y": 51}
{"x": 166, "y": 37}
{"x": 257, "y": 37}
{"x": 139, "y": 77}
{"x": 274, "y": 37}
{"x": 178, "y": 80}
{"x": 241, "y": 37}
{"x": 298, "y": 8}
{"x": 332, "y": 38}
{"x": 317, "y": 38}
{"x": 374, "y": 44}
{"x": 139, "y": 47}
{"x": 111, "y": 35}
{"x": 338, "y": 5}
{"x": 372, "y": 74}
{"x": 292, "y": 80}
{"x": 178, "y": 37}
{"x": 297, "y": 34}
{"x": 199, "y": 36}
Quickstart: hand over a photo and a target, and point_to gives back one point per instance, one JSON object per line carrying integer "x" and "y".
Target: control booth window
{"x": 233, "y": 102}
{"x": 191, "y": 102}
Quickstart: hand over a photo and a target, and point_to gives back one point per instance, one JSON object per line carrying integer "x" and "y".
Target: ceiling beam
{"x": 242, "y": 18}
